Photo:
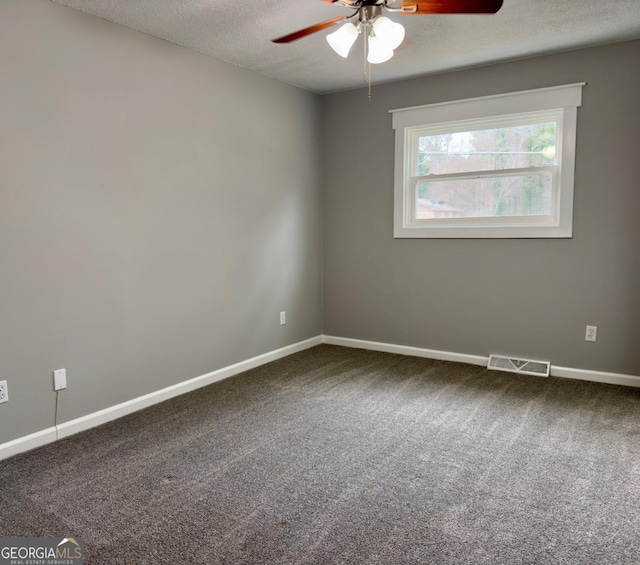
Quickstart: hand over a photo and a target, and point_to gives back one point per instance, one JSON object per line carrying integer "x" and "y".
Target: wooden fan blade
{"x": 309, "y": 30}
{"x": 451, "y": 6}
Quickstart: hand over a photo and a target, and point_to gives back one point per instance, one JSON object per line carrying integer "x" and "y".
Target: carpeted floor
{"x": 342, "y": 456}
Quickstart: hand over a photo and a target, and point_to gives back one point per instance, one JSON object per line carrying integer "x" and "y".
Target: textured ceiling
{"x": 240, "y": 31}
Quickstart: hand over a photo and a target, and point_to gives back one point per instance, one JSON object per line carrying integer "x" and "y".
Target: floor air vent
{"x": 522, "y": 366}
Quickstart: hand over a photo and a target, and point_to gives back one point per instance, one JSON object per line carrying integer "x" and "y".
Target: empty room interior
{"x": 250, "y": 290}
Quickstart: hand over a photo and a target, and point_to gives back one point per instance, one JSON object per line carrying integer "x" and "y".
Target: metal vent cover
{"x": 521, "y": 366}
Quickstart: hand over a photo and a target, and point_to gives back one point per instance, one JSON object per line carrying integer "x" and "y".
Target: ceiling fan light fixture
{"x": 343, "y": 39}
{"x": 390, "y": 32}
{"x": 379, "y": 51}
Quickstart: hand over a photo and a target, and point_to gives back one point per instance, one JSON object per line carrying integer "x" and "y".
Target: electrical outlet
{"x": 60, "y": 379}
{"x": 591, "y": 333}
{"x": 4, "y": 392}
{"x": 283, "y": 318}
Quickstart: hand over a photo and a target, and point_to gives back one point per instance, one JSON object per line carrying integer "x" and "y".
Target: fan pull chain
{"x": 366, "y": 64}
{"x": 364, "y": 50}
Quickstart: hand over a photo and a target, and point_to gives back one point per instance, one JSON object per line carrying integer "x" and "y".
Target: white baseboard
{"x": 595, "y": 376}
{"x": 407, "y": 350}
{"x": 65, "y": 429}
{"x": 26, "y": 443}
{"x": 565, "y": 372}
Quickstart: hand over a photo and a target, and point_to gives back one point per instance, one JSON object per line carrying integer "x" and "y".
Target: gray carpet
{"x": 337, "y": 455}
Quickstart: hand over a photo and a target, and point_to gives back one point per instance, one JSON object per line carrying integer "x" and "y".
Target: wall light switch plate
{"x": 4, "y": 392}
{"x": 60, "y": 379}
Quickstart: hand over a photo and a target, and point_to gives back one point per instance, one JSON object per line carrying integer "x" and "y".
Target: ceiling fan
{"x": 383, "y": 34}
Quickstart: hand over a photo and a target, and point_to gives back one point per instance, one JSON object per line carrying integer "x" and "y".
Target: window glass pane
{"x": 530, "y": 145}
{"x": 517, "y": 195}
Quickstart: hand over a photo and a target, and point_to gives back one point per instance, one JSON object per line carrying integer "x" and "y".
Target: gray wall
{"x": 158, "y": 209}
{"x": 521, "y": 297}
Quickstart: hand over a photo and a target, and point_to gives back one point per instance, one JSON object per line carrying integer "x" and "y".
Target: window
{"x": 491, "y": 167}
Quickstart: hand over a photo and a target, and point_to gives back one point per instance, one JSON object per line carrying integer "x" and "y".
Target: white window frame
{"x": 558, "y": 103}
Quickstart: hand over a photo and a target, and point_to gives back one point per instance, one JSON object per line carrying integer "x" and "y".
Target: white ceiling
{"x": 239, "y": 31}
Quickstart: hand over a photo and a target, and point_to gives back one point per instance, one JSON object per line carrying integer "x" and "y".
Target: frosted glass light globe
{"x": 342, "y": 40}
{"x": 391, "y": 33}
{"x": 379, "y": 52}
